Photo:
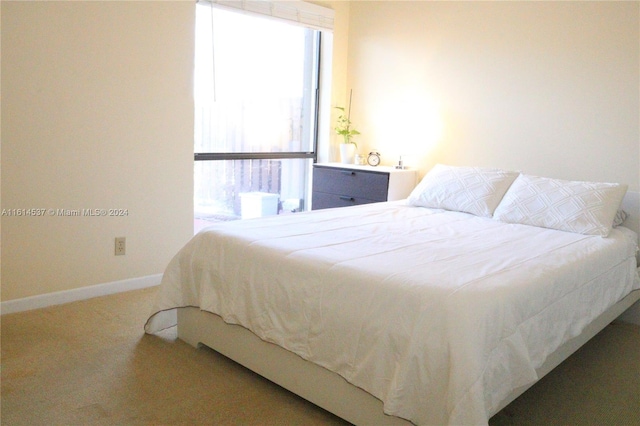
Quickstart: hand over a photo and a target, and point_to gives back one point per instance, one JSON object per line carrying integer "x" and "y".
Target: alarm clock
{"x": 373, "y": 159}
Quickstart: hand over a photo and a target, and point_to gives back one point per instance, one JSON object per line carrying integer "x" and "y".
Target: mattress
{"x": 438, "y": 314}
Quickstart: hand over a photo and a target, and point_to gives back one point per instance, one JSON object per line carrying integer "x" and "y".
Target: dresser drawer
{"x": 324, "y": 200}
{"x": 349, "y": 183}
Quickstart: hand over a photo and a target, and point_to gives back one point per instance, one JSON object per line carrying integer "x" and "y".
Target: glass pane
{"x": 254, "y": 85}
{"x": 245, "y": 189}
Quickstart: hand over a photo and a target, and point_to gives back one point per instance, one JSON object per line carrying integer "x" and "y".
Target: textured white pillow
{"x": 580, "y": 207}
{"x": 472, "y": 190}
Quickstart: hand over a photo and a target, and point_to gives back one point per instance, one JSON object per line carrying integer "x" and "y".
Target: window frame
{"x": 315, "y": 69}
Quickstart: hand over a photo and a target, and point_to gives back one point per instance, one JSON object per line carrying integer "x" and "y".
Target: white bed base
{"x": 329, "y": 390}
{"x": 323, "y": 387}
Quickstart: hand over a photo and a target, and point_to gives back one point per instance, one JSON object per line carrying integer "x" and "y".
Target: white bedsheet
{"x": 438, "y": 314}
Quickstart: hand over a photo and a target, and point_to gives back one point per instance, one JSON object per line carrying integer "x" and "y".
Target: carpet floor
{"x": 90, "y": 363}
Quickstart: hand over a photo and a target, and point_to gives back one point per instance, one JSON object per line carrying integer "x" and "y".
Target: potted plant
{"x": 344, "y": 128}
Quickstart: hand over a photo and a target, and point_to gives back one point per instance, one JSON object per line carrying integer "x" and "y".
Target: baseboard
{"x": 83, "y": 293}
{"x": 632, "y": 314}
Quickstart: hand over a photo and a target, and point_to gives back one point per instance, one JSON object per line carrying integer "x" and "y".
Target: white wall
{"x": 549, "y": 88}
{"x": 96, "y": 113}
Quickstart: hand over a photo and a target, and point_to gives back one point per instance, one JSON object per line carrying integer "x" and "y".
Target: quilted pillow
{"x": 472, "y": 190}
{"x": 581, "y": 207}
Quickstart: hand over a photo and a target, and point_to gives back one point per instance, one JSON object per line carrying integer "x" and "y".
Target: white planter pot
{"x": 347, "y": 153}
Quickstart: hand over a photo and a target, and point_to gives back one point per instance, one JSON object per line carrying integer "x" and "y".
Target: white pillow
{"x": 581, "y": 207}
{"x": 472, "y": 190}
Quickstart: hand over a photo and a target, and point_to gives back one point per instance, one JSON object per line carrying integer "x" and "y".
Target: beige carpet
{"x": 89, "y": 363}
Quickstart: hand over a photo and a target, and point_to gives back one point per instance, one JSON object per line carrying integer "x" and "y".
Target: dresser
{"x": 342, "y": 185}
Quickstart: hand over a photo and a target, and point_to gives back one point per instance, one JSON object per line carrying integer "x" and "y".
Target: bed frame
{"x": 329, "y": 390}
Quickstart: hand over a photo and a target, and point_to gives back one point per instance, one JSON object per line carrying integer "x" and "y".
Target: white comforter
{"x": 438, "y": 314}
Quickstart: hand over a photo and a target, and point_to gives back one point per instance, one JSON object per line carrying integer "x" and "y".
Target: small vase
{"x": 347, "y": 153}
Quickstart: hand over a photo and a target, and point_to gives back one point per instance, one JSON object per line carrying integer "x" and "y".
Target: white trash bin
{"x": 258, "y": 204}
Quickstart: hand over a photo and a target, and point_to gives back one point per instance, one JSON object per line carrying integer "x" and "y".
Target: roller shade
{"x": 293, "y": 11}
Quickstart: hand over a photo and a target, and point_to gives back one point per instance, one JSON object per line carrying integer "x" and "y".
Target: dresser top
{"x": 381, "y": 169}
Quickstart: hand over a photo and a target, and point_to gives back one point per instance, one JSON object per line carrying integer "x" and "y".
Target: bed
{"x": 439, "y": 309}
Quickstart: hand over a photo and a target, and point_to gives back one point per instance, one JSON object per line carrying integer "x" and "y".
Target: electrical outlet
{"x": 121, "y": 246}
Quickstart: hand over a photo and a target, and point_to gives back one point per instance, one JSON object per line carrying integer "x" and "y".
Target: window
{"x": 256, "y": 85}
